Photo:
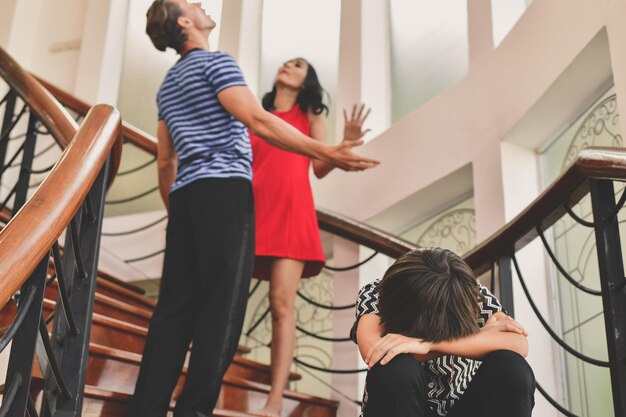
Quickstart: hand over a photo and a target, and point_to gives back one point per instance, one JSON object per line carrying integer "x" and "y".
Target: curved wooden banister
{"x": 50, "y": 111}
{"x": 27, "y": 238}
{"x": 567, "y": 190}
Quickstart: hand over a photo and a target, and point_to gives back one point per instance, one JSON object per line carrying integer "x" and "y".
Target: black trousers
{"x": 504, "y": 385}
{"x": 204, "y": 291}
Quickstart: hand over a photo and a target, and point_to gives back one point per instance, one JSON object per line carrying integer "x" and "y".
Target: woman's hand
{"x": 353, "y": 127}
{"x": 391, "y": 345}
{"x": 500, "y": 322}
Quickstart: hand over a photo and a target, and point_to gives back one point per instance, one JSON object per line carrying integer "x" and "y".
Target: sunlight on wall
{"x": 429, "y": 50}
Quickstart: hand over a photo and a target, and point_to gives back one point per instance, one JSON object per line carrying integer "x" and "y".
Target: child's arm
{"x": 480, "y": 344}
{"x": 371, "y": 341}
{"x": 498, "y": 334}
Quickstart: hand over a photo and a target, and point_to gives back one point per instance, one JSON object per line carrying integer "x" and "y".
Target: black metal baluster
{"x": 23, "y": 348}
{"x": 63, "y": 296}
{"x": 9, "y": 110}
{"x": 23, "y": 344}
{"x": 70, "y": 350}
{"x": 505, "y": 280}
{"x": 27, "y": 163}
{"x": 613, "y": 283}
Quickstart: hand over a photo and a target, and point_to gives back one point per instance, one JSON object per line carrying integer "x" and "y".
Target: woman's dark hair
{"x": 310, "y": 96}
{"x": 162, "y": 26}
{"x": 430, "y": 294}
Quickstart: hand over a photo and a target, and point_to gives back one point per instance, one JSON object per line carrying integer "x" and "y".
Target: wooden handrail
{"x": 27, "y": 238}
{"x": 567, "y": 190}
{"x": 50, "y": 112}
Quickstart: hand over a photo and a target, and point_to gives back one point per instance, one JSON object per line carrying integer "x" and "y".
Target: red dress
{"x": 286, "y": 222}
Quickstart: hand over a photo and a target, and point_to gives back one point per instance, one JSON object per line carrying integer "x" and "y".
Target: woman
{"x": 288, "y": 245}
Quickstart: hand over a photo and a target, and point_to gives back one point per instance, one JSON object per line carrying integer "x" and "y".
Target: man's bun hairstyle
{"x": 162, "y": 26}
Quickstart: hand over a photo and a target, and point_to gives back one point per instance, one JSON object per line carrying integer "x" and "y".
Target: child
{"x": 437, "y": 343}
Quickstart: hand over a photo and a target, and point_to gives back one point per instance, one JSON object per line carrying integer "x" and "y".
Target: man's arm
{"x": 167, "y": 162}
{"x": 374, "y": 348}
{"x": 241, "y": 103}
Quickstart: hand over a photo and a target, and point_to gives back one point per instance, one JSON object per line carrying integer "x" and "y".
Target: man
{"x": 204, "y": 160}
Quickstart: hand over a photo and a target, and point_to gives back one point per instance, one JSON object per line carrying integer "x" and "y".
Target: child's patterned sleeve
{"x": 488, "y": 306}
{"x": 366, "y": 303}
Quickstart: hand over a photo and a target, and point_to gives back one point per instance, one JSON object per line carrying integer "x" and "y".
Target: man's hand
{"x": 500, "y": 322}
{"x": 391, "y": 345}
{"x": 343, "y": 158}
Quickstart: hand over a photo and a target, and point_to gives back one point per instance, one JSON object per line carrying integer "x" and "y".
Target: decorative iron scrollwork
{"x": 455, "y": 230}
{"x": 599, "y": 128}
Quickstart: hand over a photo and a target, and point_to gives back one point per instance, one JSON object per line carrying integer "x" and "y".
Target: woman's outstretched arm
{"x": 352, "y": 132}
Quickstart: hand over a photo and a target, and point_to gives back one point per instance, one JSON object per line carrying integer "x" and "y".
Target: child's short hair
{"x": 430, "y": 294}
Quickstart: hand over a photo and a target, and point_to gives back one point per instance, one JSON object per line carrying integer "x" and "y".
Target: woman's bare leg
{"x": 284, "y": 281}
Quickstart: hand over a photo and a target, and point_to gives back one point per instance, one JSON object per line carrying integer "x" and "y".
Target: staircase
{"x": 119, "y": 327}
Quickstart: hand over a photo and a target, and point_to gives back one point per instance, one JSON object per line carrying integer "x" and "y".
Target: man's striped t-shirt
{"x": 209, "y": 142}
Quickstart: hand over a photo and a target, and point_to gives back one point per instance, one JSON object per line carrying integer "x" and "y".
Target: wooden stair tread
{"x": 140, "y": 299}
{"x": 124, "y": 326}
{"x": 96, "y": 393}
{"x": 143, "y": 312}
{"x": 264, "y": 388}
{"x": 93, "y": 392}
{"x": 120, "y": 282}
{"x": 135, "y": 359}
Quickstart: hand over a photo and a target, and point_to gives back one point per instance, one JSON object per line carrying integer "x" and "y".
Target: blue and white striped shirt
{"x": 209, "y": 142}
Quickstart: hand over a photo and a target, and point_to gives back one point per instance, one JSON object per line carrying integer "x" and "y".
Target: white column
{"x": 480, "y": 29}
{"x": 376, "y": 65}
{"x": 230, "y": 26}
{"x": 240, "y": 36}
{"x": 364, "y": 63}
{"x": 521, "y": 182}
{"x": 350, "y": 61}
{"x": 102, "y": 50}
{"x": 345, "y": 355}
